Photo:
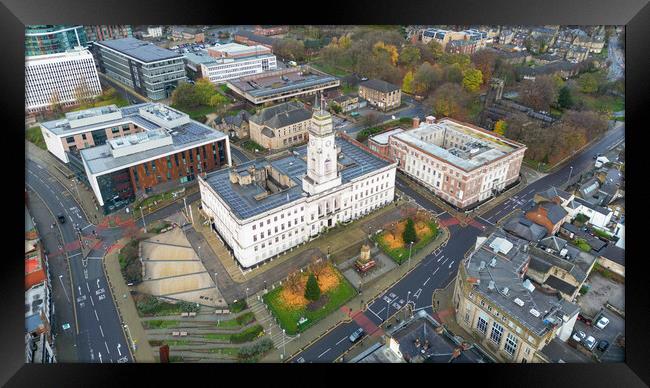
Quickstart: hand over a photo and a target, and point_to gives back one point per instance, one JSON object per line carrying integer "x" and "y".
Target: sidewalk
{"x": 371, "y": 291}
{"x": 126, "y": 309}
{"x": 78, "y": 191}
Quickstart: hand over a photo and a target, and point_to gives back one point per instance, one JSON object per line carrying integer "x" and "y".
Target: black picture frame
{"x": 634, "y": 14}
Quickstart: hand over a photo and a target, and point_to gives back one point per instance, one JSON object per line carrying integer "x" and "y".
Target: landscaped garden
{"x": 150, "y": 306}
{"x": 419, "y": 229}
{"x": 252, "y": 146}
{"x": 309, "y": 296}
{"x": 35, "y": 136}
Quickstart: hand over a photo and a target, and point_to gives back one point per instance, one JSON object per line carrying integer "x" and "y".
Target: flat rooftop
{"x": 480, "y": 147}
{"x": 275, "y": 82}
{"x": 140, "y": 50}
{"x": 62, "y": 127}
{"x": 241, "y": 199}
{"x": 382, "y": 138}
{"x": 499, "y": 264}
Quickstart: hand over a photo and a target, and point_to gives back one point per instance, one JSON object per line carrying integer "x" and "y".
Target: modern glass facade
{"x": 53, "y": 39}
{"x": 116, "y": 189}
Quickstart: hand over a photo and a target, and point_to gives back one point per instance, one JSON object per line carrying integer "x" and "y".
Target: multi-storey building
{"x": 97, "y": 33}
{"x": 60, "y": 78}
{"x": 280, "y": 126}
{"x": 496, "y": 302}
{"x": 384, "y": 95}
{"x": 282, "y": 84}
{"x": 265, "y": 207}
{"x": 121, "y": 153}
{"x": 150, "y": 70}
{"x": 462, "y": 164}
{"x": 53, "y": 39}
{"x": 230, "y": 61}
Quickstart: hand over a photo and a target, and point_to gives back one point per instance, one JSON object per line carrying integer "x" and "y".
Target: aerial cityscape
{"x": 324, "y": 194}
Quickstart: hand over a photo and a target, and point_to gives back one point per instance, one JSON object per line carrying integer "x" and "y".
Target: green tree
{"x": 449, "y": 100}
{"x": 426, "y": 78}
{"x": 435, "y": 49}
{"x": 204, "y": 90}
{"x": 500, "y": 127}
{"x": 185, "y": 96}
{"x": 453, "y": 73}
{"x": 564, "y": 99}
{"x": 409, "y": 56}
{"x": 217, "y": 100}
{"x": 312, "y": 291}
{"x": 409, "y": 234}
{"x": 407, "y": 83}
{"x": 472, "y": 80}
{"x": 589, "y": 82}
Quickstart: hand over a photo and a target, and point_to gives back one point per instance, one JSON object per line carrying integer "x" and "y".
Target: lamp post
{"x": 387, "y": 308}
{"x": 143, "y": 221}
{"x": 570, "y": 172}
{"x": 410, "y": 251}
{"x": 246, "y": 293}
{"x": 283, "y": 344}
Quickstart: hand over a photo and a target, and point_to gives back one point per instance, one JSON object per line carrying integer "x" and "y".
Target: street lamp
{"x": 410, "y": 251}
{"x": 246, "y": 293}
{"x": 570, "y": 171}
{"x": 283, "y": 344}
{"x": 387, "y": 308}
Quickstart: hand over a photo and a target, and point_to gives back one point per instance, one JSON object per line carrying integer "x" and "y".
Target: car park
{"x": 602, "y": 322}
{"x": 603, "y": 345}
{"x": 354, "y": 337}
{"x": 579, "y": 336}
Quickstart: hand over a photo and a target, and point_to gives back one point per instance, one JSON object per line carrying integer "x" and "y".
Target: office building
{"x": 151, "y": 71}
{"x": 53, "y": 38}
{"x": 280, "y": 126}
{"x": 230, "y": 61}
{"x": 61, "y": 78}
{"x": 97, "y": 33}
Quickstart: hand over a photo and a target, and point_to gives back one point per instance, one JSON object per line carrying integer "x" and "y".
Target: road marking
{"x": 376, "y": 314}
{"x": 486, "y": 220}
{"x": 382, "y": 309}
{"x": 105, "y": 344}
{"x": 341, "y": 340}
{"x": 96, "y": 315}
{"x": 450, "y": 264}
{"x": 87, "y": 286}
{"x": 91, "y": 301}
{"x": 97, "y": 282}
{"x": 118, "y": 349}
{"x": 101, "y": 331}
{"x": 100, "y": 357}
{"x": 434, "y": 272}
{"x": 321, "y": 355}
{"x": 440, "y": 258}
{"x": 417, "y": 293}
{"x": 426, "y": 281}
{"x": 76, "y": 254}
{"x": 443, "y": 263}
{"x": 87, "y": 226}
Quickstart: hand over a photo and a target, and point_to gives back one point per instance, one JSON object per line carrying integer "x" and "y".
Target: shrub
{"x": 246, "y": 318}
{"x": 238, "y": 306}
{"x": 130, "y": 262}
{"x": 252, "y": 353}
{"x": 409, "y": 234}
{"x": 312, "y": 291}
{"x": 247, "y": 335}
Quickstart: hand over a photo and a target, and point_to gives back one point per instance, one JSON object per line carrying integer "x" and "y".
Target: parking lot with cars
{"x": 601, "y": 336}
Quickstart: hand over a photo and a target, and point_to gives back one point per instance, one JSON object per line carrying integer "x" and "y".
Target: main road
{"x": 439, "y": 267}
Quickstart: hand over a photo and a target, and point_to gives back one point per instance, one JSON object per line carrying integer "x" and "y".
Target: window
{"x": 467, "y": 315}
{"x": 481, "y": 325}
{"x": 497, "y": 332}
{"x": 511, "y": 344}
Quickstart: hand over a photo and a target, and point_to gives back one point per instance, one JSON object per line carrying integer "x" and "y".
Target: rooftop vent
{"x": 491, "y": 285}
{"x": 519, "y": 302}
{"x": 535, "y": 313}
{"x": 481, "y": 266}
{"x": 493, "y": 262}
{"x": 564, "y": 252}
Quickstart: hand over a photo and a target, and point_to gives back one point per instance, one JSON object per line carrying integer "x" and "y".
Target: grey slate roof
{"x": 138, "y": 49}
{"x": 526, "y": 229}
{"x": 560, "y": 285}
{"x": 281, "y": 115}
{"x": 553, "y": 192}
{"x": 559, "y": 351}
{"x": 379, "y": 85}
{"x": 614, "y": 253}
{"x": 554, "y": 212}
{"x": 553, "y": 242}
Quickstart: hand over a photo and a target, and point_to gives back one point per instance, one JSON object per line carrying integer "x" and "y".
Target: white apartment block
{"x": 232, "y": 60}
{"x": 62, "y": 74}
{"x": 263, "y": 208}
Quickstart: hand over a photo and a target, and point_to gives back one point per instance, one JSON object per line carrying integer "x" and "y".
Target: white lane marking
{"x": 92, "y": 301}
{"x": 105, "y": 344}
{"x": 118, "y": 349}
{"x": 87, "y": 226}
{"x": 38, "y": 165}
{"x": 96, "y": 315}
{"x": 76, "y": 254}
{"x": 97, "y": 282}
{"x": 87, "y": 286}
{"x": 434, "y": 272}
{"x": 369, "y": 309}
{"x": 440, "y": 258}
{"x": 382, "y": 309}
{"x": 321, "y": 355}
{"x": 486, "y": 220}
{"x": 417, "y": 293}
{"x": 101, "y": 331}
{"x": 341, "y": 340}
{"x": 450, "y": 264}
{"x": 100, "y": 357}
{"x": 426, "y": 281}
{"x": 443, "y": 263}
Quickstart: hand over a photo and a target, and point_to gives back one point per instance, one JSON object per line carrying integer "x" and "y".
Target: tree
{"x": 217, "y": 100}
{"x": 312, "y": 290}
{"x": 564, "y": 99}
{"x": 426, "y": 78}
{"x": 82, "y": 92}
{"x": 462, "y": 60}
{"x": 204, "y": 90}
{"x": 409, "y": 234}
{"x": 55, "y": 101}
{"x": 435, "y": 49}
{"x": 370, "y": 119}
{"x": 485, "y": 61}
{"x": 589, "y": 82}
{"x": 453, "y": 73}
{"x": 293, "y": 281}
{"x": 407, "y": 82}
{"x": 500, "y": 127}
{"x": 317, "y": 266}
{"x": 388, "y": 48}
{"x": 448, "y": 100}
{"x": 409, "y": 56}
{"x": 538, "y": 94}
{"x": 472, "y": 80}
{"x": 290, "y": 48}
{"x": 185, "y": 96}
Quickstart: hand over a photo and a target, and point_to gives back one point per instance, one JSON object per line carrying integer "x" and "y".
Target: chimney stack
{"x": 416, "y": 122}
{"x": 430, "y": 119}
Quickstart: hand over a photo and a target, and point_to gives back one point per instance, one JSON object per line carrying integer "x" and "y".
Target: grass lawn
{"x": 217, "y": 337}
{"x": 289, "y": 317}
{"x": 602, "y": 234}
{"x": 227, "y": 324}
{"x": 35, "y": 136}
{"x": 226, "y": 351}
{"x": 582, "y": 244}
{"x": 252, "y": 146}
{"x": 160, "y": 324}
{"x": 195, "y": 113}
{"x": 151, "y": 306}
{"x": 604, "y": 103}
{"x": 401, "y": 253}
{"x": 325, "y": 68}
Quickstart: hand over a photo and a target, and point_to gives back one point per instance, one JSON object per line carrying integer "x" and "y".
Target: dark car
{"x": 354, "y": 337}
{"x": 61, "y": 218}
{"x": 603, "y": 345}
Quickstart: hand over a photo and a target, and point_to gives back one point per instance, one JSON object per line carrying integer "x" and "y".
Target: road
{"x": 100, "y": 337}
{"x": 617, "y": 58}
{"x": 439, "y": 267}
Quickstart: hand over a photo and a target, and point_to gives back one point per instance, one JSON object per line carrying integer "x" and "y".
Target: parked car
{"x": 354, "y": 337}
{"x": 587, "y": 321}
{"x": 61, "y": 218}
{"x": 579, "y": 335}
{"x": 602, "y": 322}
{"x": 590, "y": 342}
{"x": 603, "y": 345}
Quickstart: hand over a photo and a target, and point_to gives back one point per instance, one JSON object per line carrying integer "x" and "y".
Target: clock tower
{"x": 322, "y": 171}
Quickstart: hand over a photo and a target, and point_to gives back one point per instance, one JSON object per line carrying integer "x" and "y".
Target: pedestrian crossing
{"x": 268, "y": 322}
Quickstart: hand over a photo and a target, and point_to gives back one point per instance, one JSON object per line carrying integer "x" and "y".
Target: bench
{"x": 183, "y": 334}
{"x": 184, "y": 314}
{"x": 175, "y": 334}
{"x": 192, "y": 314}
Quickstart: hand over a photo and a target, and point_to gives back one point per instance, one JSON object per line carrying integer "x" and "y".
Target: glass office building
{"x": 53, "y": 39}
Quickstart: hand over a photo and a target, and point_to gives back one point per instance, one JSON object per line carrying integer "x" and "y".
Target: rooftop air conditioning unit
{"x": 535, "y": 313}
